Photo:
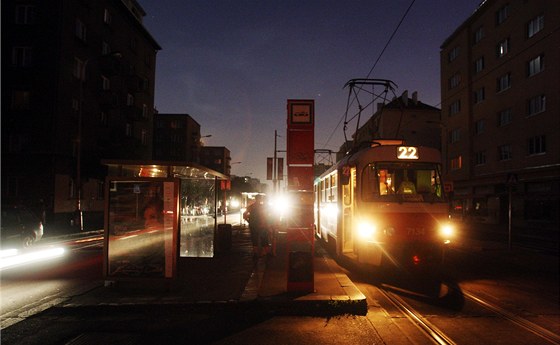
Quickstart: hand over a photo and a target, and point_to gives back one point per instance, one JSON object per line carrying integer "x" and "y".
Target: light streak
{"x": 27, "y": 258}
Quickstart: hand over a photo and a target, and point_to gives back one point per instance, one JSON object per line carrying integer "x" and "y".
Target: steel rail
{"x": 524, "y": 323}
{"x": 434, "y": 333}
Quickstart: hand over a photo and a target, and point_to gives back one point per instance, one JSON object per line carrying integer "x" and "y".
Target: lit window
{"x": 536, "y": 145}
{"x": 456, "y": 163}
{"x": 535, "y": 65}
{"x": 503, "y": 82}
{"x": 504, "y": 152}
{"x": 502, "y": 48}
{"x": 535, "y": 25}
{"x": 536, "y": 105}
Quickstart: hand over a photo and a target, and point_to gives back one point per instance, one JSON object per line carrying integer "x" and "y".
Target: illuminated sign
{"x": 300, "y": 111}
{"x": 407, "y": 152}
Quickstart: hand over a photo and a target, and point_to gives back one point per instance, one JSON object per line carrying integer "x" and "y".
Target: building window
{"x": 479, "y": 126}
{"x": 503, "y": 83}
{"x": 504, "y": 152}
{"x": 478, "y": 35}
{"x": 129, "y": 99}
{"x": 21, "y": 56}
{"x": 456, "y": 163}
{"x": 479, "y": 65}
{"x": 480, "y": 158}
{"x": 100, "y": 190}
{"x": 78, "y": 70}
{"x": 454, "y": 108}
{"x": 479, "y": 95}
{"x": 536, "y": 105}
{"x": 502, "y": 14}
{"x": 105, "y": 48}
{"x": 453, "y": 54}
{"x": 75, "y": 104}
{"x": 21, "y": 100}
{"x": 144, "y": 111}
{"x": 105, "y": 83}
{"x": 535, "y": 65}
{"x": 144, "y": 137}
{"x": 80, "y": 30}
{"x": 502, "y": 48}
{"x": 505, "y": 117}
{"x": 107, "y": 17}
{"x": 454, "y": 81}
{"x": 103, "y": 118}
{"x": 455, "y": 135}
{"x": 128, "y": 130}
{"x": 536, "y": 145}
{"x": 25, "y": 14}
{"x": 535, "y": 25}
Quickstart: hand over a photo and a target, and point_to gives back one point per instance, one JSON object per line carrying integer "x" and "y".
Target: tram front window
{"x": 415, "y": 182}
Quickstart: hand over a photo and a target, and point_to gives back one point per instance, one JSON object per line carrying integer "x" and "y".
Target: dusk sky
{"x": 232, "y": 65}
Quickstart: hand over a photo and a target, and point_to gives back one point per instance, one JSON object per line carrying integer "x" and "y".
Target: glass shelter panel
{"x": 198, "y": 218}
{"x": 141, "y": 221}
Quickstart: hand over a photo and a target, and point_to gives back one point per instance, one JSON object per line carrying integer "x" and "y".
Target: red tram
{"x": 384, "y": 204}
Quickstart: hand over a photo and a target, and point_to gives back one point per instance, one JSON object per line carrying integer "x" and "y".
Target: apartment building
{"x": 501, "y": 115}
{"x": 176, "y": 138}
{"x": 77, "y": 87}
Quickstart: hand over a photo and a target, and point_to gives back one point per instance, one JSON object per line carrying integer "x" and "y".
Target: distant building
{"x": 500, "y": 92}
{"x": 417, "y": 123}
{"x": 176, "y": 138}
{"x": 216, "y": 158}
{"x": 77, "y": 86}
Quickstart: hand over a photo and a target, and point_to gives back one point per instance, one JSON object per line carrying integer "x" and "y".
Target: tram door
{"x": 348, "y": 196}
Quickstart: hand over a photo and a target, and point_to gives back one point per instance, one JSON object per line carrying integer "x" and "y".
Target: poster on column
{"x": 300, "y": 143}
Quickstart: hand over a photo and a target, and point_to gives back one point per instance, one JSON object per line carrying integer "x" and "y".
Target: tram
{"x": 384, "y": 205}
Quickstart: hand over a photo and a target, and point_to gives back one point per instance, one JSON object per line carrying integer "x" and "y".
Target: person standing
{"x": 257, "y": 217}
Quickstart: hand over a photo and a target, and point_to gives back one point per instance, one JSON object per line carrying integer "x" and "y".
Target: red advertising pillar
{"x": 300, "y": 153}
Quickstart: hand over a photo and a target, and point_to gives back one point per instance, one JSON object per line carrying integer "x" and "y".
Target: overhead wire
{"x": 349, "y": 103}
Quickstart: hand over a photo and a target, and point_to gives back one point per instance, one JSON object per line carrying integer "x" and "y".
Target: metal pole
{"x": 509, "y": 217}
{"x": 78, "y": 216}
{"x": 275, "y": 166}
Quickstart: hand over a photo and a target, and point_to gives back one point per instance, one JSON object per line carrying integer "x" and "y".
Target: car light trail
{"x": 35, "y": 256}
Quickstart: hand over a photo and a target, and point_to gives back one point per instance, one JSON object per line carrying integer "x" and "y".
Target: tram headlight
{"x": 447, "y": 231}
{"x": 366, "y": 230}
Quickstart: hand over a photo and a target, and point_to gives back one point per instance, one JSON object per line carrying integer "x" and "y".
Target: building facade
{"x": 501, "y": 115}
{"x": 77, "y": 86}
{"x": 176, "y": 138}
{"x": 216, "y": 158}
{"x": 417, "y": 123}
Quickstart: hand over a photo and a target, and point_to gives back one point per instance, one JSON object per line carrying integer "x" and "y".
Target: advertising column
{"x": 300, "y": 153}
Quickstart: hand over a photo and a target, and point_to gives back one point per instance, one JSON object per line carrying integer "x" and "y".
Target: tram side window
{"x": 369, "y": 184}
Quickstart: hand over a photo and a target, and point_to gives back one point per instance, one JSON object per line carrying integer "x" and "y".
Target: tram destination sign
{"x": 407, "y": 152}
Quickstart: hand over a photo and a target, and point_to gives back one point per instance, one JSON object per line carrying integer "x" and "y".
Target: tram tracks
{"x": 438, "y": 336}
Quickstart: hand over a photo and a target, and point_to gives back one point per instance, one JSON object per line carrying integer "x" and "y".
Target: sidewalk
{"x": 228, "y": 289}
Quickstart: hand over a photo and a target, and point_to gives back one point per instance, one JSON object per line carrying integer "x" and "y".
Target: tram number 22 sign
{"x": 407, "y": 152}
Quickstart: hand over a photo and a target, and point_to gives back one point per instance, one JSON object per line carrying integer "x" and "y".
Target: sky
{"x": 232, "y": 65}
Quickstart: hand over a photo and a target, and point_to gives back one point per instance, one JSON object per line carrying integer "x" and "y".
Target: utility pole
{"x": 275, "y": 166}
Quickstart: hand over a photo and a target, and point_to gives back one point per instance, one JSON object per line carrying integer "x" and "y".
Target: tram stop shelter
{"x": 156, "y": 214}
